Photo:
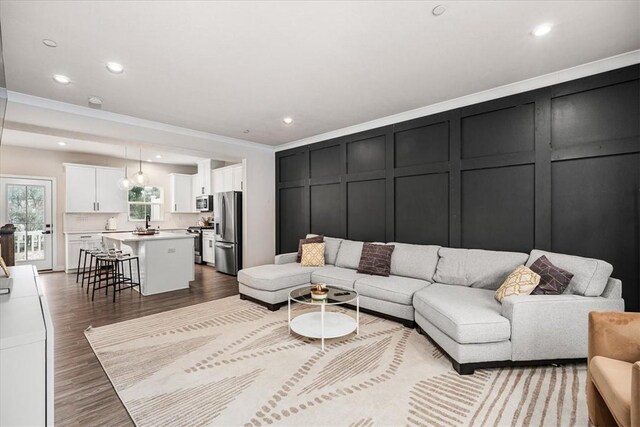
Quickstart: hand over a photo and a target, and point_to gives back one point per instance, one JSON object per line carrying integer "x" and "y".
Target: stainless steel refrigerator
{"x": 228, "y": 222}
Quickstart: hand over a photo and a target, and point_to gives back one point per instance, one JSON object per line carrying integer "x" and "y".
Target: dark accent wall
{"x": 556, "y": 168}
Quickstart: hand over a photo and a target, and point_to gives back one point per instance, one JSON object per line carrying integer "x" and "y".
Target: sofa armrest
{"x": 613, "y": 289}
{"x": 546, "y": 327}
{"x": 286, "y": 258}
{"x": 615, "y": 335}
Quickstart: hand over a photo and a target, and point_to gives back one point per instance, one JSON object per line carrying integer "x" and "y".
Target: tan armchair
{"x": 613, "y": 383}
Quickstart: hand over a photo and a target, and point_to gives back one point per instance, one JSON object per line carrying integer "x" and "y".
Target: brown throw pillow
{"x": 553, "y": 280}
{"x": 375, "y": 259}
{"x": 314, "y": 239}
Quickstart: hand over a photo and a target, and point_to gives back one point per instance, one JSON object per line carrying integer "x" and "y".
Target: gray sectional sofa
{"x": 448, "y": 294}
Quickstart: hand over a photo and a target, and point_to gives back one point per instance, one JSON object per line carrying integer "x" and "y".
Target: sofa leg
{"x": 273, "y": 307}
{"x": 243, "y": 297}
{"x": 409, "y": 323}
{"x": 464, "y": 368}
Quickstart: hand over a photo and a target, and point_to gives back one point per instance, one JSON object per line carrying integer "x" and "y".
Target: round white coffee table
{"x": 324, "y": 324}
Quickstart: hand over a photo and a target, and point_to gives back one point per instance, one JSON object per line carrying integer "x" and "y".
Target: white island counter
{"x": 166, "y": 259}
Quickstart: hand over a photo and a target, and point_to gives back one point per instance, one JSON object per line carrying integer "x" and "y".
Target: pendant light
{"x": 125, "y": 183}
{"x": 140, "y": 179}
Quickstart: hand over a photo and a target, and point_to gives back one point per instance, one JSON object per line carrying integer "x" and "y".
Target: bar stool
{"x": 82, "y": 271}
{"x": 111, "y": 271}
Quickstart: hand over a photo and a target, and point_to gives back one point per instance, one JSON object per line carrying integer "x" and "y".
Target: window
{"x": 145, "y": 202}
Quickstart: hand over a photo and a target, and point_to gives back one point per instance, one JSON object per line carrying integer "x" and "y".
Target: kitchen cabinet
{"x": 195, "y": 191}
{"x": 182, "y": 199}
{"x": 74, "y": 242}
{"x": 204, "y": 177}
{"x": 208, "y": 244}
{"x": 94, "y": 189}
{"x": 228, "y": 178}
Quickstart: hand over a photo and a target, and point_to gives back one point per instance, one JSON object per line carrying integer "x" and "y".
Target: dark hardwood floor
{"x": 84, "y": 395}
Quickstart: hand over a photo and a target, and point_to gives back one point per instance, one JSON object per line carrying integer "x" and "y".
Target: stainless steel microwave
{"x": 204, "y": 203}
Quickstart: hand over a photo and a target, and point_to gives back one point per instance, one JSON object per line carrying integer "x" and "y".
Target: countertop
{"x": 119, "y": 231}
{"x": 163, "y": 235}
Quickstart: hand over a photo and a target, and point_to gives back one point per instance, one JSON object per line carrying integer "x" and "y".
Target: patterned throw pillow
{"x": 553, "y": 280}
{"x": 312, "y": 255}
{"x": 314, "y": 239}
{"x": 375, "y": 259}
{"x": 522, "y": 281}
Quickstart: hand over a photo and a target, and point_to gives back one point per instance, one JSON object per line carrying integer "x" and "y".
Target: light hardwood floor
{"x": 84, "y": 395}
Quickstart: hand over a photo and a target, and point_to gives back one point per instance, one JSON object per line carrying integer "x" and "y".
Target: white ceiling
{"x": 223, "y": 67}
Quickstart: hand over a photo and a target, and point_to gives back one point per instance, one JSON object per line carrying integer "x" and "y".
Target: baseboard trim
{"x": 469, "y": 368}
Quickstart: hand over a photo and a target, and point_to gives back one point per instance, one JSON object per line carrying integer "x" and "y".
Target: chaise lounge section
{"x": 448, "y": 294}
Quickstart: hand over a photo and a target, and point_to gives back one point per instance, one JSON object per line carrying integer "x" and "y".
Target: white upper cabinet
{"x": 94, "y": 189}
{"x": 204, "y": 178}
{"x": 228, "y": 178}
{"x": 182, "y": 198}
{"x": 80, "y": 188}
{"x": 236, "y": 182}
{"x": 109, "y": 198}
{"x": 195, "y": 191}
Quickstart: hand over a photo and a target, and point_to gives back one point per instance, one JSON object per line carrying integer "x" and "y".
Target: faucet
{"x": 146, "y": 222}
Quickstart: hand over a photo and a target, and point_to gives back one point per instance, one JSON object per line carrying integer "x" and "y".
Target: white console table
{"x": 26, "y": 353}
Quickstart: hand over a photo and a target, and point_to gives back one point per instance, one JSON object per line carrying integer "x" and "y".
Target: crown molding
{"x": 573, "y": 73}
{"x": 50, "y": 104}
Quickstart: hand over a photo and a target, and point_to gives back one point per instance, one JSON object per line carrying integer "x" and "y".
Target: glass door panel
{"x": 28, "y": 208}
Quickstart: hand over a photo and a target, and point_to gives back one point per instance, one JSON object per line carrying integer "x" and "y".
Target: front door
{"x": 27, "y": 204}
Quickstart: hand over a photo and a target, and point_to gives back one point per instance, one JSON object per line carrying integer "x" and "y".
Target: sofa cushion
{"x": 393, "y": 288}
{"x": 553, "y": 280}
{"x": 349, "y": 254}
{"x": 375, "y": 259}
{"x": 332, "y": 244}
{"x": 416, "y": 261}
{"x": 466, "y": 315}
{"x": 312, "y": 255}
{"x": 589, "y": 275}
{"x": 476, "y": 267}
{"x": 613, "y": 380}
{"x": 522, "y": 281}
{"x": 273, "y": 277}
{"x": 302, "y": 242}
{"x": 336, "y": 276}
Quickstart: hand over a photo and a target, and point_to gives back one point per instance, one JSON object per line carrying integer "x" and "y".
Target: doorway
{"x": 27, "y": 203}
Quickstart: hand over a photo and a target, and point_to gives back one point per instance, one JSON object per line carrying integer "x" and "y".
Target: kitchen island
{"x": 166, "y": 259}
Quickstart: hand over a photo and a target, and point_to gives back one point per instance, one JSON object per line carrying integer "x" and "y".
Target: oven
{"x": 204, "y": 203}
{"x": 197, "y": 243}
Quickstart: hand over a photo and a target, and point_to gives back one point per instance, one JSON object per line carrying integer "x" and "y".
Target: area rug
{"x": 233, "y": 363}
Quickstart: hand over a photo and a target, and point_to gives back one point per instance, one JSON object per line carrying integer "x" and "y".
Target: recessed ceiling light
{"x": 49, "y": 43}
{"x": 158, "y": 156}
{"x": 541, "y": 30}
{"x": 438, "y": 10}
{"x": 287, "y": 120}
{"x": 95, "y": 100}
{"x": 149, "y": 160}
{"x": 62, "y": 143}
{"x": 115, "y": 67}
{"x": 63, "y": 80}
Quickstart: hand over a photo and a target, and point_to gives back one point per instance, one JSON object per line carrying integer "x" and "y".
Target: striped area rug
{"x": 231, "y": 362}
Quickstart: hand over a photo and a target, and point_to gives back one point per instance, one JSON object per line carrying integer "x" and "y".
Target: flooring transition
{"x": 83, "y": 394}
{"x": 232, "y": 362}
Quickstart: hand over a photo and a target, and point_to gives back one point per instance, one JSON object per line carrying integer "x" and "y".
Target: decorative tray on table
{"x": 148, "y": 232}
